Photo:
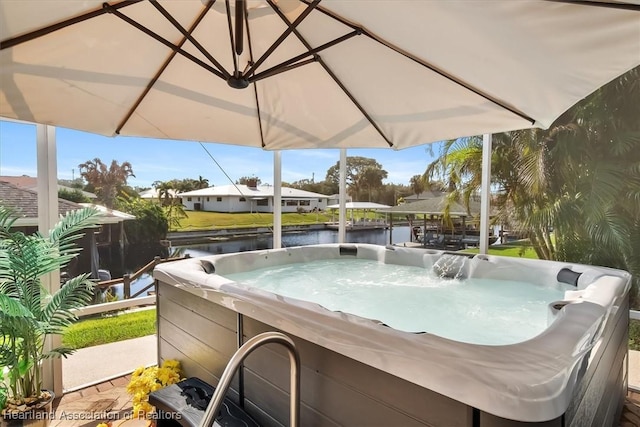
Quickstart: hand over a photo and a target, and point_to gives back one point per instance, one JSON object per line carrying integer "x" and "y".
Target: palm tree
{"x": 166, "y": 191}
{"x": 595, "y": 156}
{"x": 371, "y": 178}
{"x": 106, "y": 181}
{"x": 580, "y": 178}
{"x": 172, "y": 206}
{"x": 417, "y": 184}
{"x": 202, "y": 182}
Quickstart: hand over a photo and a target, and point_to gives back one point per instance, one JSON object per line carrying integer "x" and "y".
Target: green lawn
{"x": 520, "y": 249}
{"x": 199, "y": 220}
{"x": 112, "y": 328}
{"x": 634, "y": 335}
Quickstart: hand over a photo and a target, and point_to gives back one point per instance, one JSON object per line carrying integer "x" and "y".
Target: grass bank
{"x": 199, "y": 220}
{"x": 521, "y": 249}
{"x": 111, "y": 328}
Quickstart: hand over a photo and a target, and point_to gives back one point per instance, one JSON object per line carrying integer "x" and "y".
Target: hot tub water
{"x": 414, "y": 299}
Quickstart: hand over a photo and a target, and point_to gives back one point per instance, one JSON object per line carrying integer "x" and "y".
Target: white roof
{"x": 360, "y": 205}
{"x": 152, "y": 193}
{"x": 248, "y": 192}
{"x": 108, "y": 216}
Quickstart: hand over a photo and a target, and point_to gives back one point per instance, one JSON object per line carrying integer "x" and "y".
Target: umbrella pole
{"x": 47, "y": 217}
{"x": 277, "y": 200}
{"x": 342, "y": 217}
{"x": 485, "y": 193}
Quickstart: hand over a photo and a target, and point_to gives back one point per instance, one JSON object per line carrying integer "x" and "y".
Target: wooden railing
{"x": 127, "y": 279}
{"x": 129, "y": 300}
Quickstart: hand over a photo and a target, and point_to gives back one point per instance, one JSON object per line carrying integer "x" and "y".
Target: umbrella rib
{"x": 188, "y": 36}
{"x": 232, "y": 39}
{"x": 291, "y": 26}
{"x": 255, "y": 92}
{"x": 165, "y": 42}
{"x": 335, "y": 78}
{"x": 424, "y": 63}
{"x": 162, "y": 68}
{"x": 605, "y": 4}
{"x": 5, "y": 44}
{"x": 280, "y": 69}
{"x": 285, "y": 66}
{"x": 354, "y": 100}
{"x": 255, "y": 86}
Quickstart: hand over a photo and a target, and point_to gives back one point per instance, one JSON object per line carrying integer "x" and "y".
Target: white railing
{"x": 129, "y": 300}
{"x": 634, "y": 314}
{"x": 114, "y": 306}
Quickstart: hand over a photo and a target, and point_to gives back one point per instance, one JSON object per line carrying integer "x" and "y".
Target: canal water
{"x": 137, "y": 256}
{"x": 303, "y": 238}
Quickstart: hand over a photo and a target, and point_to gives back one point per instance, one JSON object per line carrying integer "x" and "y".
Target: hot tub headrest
{"x": 566, "y": 275}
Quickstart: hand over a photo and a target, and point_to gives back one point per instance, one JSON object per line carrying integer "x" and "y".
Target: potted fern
{"x": 29, "y": 313}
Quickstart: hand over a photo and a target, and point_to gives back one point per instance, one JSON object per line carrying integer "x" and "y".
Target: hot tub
{"x": 364, "y": 371}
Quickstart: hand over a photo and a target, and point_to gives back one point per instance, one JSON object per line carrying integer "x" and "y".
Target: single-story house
{"x": 241, "y": 198}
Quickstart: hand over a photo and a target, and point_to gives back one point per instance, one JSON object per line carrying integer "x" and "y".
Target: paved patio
{"x": 97, "y": 364}
{"x": 107, "y": 401}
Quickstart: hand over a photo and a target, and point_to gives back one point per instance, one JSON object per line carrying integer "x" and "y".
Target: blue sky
{"x": 162, "y": 160}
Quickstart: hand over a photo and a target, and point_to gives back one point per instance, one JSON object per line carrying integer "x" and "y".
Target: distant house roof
{"x": 31, "y": 183}
{"x": 360, "y": 205}
{"x": 430, "y": 194}
{"x": 109, "y": 216}
{"x": 433, "y": 202}
{"x": 433, "y": 206}
{"x": 252, "y": 192}
{"x": 152, "y": 193}
{"x": 25, "y": 203}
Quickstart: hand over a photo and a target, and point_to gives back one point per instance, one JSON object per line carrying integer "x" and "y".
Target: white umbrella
{"x": 305, "y": 74}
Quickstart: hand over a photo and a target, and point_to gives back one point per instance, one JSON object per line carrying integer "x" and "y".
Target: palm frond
{"x": 11, "y": 307}
{"x": 75, "y": 293}
{"x": 58, "y": 352}
{"x": 69, "y": 226}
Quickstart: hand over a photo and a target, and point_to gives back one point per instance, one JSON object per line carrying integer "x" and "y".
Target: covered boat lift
{"x": 359, "y": 224}
{"x": 434, "y": 212}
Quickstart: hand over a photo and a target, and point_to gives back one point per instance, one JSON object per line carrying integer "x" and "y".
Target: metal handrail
{"x": 234, "y": 364}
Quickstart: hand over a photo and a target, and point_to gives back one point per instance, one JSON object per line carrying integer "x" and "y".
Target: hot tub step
{"x": 184, "y": 404}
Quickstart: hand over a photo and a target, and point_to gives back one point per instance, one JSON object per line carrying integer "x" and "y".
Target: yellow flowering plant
{"x": 145, "y": 380}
